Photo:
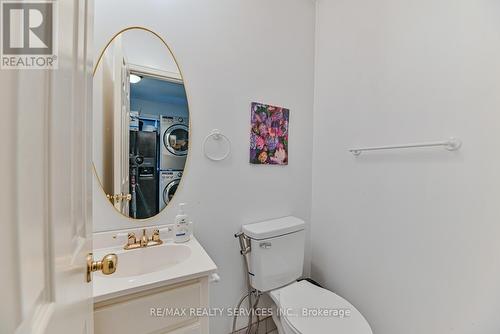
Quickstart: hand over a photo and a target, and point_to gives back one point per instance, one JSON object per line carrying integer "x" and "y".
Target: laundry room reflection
{"x": 141, "y": 123}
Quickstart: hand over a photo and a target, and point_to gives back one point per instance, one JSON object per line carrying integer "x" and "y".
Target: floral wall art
{"x": 269, "y": 135}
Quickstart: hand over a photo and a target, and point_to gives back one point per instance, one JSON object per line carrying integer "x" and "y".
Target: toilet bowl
{"x": 304, "y": 308}
{"x": 275, "y": 261}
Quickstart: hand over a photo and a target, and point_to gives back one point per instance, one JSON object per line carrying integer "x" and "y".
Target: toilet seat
{"x": 307, "y": 309}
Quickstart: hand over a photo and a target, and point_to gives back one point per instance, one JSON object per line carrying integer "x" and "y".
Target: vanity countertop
{"x": 195, "y": 263}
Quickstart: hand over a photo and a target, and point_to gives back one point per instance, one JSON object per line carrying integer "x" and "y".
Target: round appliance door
{"x": 176, "y": 139}
{"x": 170, "y": 190}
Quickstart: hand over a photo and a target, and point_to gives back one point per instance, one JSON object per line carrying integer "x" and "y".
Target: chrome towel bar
{"x": 451, "y": 144}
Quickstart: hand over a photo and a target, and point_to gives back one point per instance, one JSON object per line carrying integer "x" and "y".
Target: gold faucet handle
{"x": 156, "y": 235}
{"x": 131, "y": 239}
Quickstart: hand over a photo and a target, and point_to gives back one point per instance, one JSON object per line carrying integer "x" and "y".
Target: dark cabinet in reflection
{"x": 143, "y": 174}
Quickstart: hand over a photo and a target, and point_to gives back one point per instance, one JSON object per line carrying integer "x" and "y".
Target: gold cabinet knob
{"x": 107, "y": 265}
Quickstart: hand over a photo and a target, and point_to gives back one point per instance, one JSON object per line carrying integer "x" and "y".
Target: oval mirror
{"x": 141, "y": 123}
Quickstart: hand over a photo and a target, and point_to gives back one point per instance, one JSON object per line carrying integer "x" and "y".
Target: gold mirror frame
{"x": 188, "y": 157}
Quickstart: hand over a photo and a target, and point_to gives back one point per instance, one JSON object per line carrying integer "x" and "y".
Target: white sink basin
{"x": 150, "y": 267}
{"x": 148, "y": 260}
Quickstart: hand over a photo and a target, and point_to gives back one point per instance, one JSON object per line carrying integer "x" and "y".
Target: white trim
{"x": 156, "y": 73}
{"x": 36, "y": 323}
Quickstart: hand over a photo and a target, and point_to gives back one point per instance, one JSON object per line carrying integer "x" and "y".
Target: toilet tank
{"x": 276, "y": 257}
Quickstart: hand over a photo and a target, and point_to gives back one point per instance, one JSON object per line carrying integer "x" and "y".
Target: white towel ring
{"x": 217, "y": 135}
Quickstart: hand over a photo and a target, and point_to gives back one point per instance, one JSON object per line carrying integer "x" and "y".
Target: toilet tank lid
{"x": 273, "y": 228}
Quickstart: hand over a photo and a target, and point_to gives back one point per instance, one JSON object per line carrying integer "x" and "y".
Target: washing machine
{"x": 174, "y": 142}
{"x": 169, "y": 181}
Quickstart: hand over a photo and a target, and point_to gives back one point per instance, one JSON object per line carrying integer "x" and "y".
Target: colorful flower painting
{"x": 269, "y": 135}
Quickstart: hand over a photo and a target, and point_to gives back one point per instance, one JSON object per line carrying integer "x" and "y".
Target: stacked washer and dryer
{"x": 174, "y": 142}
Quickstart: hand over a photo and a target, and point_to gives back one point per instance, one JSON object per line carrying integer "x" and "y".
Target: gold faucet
{"x": 133, "y": 243}
{"x": 144, "y": 238}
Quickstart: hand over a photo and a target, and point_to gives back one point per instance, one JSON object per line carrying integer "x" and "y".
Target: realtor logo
{"x": 28, "y": 35}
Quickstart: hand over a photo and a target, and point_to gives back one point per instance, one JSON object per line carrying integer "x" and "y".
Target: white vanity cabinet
{"x": 155, "y": 290}
{"x": 171, "y": 309}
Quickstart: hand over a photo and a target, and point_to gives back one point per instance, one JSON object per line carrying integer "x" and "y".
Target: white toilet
{"x": 275, "y": 262}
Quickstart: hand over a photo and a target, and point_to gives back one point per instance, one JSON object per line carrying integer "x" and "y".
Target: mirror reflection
{"x": 141, "y": 123}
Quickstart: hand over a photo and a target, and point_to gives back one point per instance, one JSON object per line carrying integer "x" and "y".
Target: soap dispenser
{"x": 182, "y": 228}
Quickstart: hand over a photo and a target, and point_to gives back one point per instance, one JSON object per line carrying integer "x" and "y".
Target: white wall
{"x": 231, "y": 53}
{"x": 145, "y": 49}
{"x": 411, "y": 238}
